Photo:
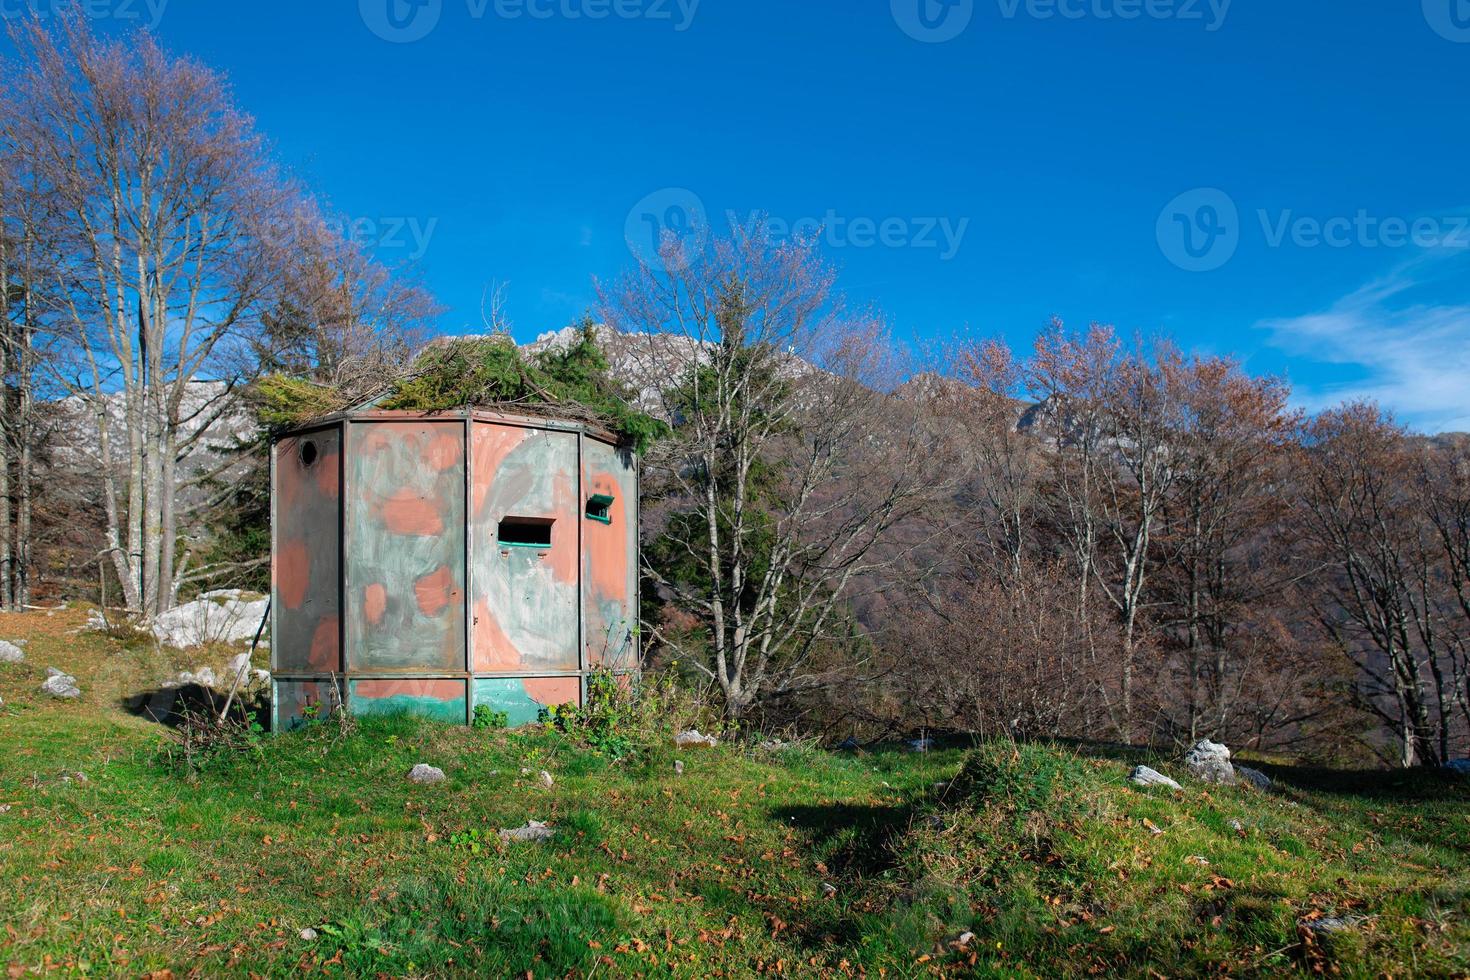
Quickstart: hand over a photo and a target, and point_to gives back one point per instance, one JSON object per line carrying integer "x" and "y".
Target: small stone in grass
{"x": 11, "y": 653}
{"x": 678, "y": 767}
{"x": 694, "y": 739}
{"x": 533, "y": 832}
{"x": 425, "y": 775}
{"x": 829, "y": 889}
{"x": 60, "y": 685}
{"x": 546, "y": 779}
{"x": 309, "y": 934}
{"x": 1144, "y": 776}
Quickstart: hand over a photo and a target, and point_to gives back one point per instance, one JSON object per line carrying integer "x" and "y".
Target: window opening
{"x": 525, "y": 532}
{"x": 599, "y": 508}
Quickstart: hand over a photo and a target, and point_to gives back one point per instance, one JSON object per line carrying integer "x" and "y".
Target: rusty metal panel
{"x": 610, "y": 556}
{"x": 524, "y": 611}
{"x": 441, "y": 700}
{"x": 305, "y": 567}
{"x": 522, "y": 698}
{"x": 405, "y": 546}
{"x": 297, "y": 701}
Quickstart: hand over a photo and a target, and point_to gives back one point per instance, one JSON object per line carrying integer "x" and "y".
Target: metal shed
{"x": 433, "y": 562}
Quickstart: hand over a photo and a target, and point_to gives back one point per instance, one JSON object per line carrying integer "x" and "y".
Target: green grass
{"x": 1041, "y": 852}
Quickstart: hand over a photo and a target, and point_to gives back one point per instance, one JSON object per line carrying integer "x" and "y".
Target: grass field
{"x": 794, "y": 863}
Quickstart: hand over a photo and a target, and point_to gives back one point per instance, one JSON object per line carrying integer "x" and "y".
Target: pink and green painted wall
{"x": 431, "y": 563}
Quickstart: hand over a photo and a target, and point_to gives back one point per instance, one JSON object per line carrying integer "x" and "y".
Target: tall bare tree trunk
{"x": 7, "y": 435}
{"x": 26, "y": 416}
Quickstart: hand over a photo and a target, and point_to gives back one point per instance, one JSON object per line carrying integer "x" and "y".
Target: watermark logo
{"x": 933, "y": 21}
{"x": 1209, "y": 13}
{"x": 1364, "y": 230}
{"x": 148, "y": 13}
{"x": 1199, "y": 230}
{"x": 405, "y": 21}
{"x": 1449, "y": 18}
{"x": 386, "y": 236}
{"x": 667, "y": 227}
{"x": 942, "y": 234}
{"x": 401, "y": 21}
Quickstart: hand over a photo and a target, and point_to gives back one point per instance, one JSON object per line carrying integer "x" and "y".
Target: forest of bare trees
{"x": 1097, "y": 537}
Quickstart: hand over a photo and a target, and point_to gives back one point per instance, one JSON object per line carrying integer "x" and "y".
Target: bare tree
{"x": 1231, "y": 450}
{"x": 27, "y": 227}
{"x": 1376, "y": 597}
{"x": 171, "y": 247}
{"x": 791, "y": 460}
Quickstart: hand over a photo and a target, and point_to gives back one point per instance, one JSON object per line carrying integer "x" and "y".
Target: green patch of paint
{"x": 507, "y": 694}
{"x": 435, "y": 709}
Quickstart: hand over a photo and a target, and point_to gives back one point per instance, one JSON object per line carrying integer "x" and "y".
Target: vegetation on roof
{"x": 571, "y": 381}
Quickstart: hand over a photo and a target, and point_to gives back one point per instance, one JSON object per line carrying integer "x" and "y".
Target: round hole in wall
{"x": 308, "y": 453}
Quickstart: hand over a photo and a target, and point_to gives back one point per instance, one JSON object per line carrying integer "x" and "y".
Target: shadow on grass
{"x": 854, "y": 840}
{"x": 171, "y": 705}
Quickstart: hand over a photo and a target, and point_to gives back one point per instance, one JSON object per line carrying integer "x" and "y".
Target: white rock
{"x": 678, "y": 767}
{"x": 425, "y": 775}
{"x": 546, "y": 779}
{"x": 1210, "y": 762}
{"x": 223, "y": 616}
{"x": 533, "y": 832}
{"x": 1330, "y": 924}
{"x": 308, "y": 934}
{"x": 1144, "y": 776}
{"x": 11, "y": 653}
{"x": 60, "y": 685}
{"x": 1254, "y": 777}
{"x": 693, "y": 739}
{"x": 829, "y": 889}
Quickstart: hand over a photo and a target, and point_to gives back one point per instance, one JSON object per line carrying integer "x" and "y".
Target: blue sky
{"x": 1284, "y": 180}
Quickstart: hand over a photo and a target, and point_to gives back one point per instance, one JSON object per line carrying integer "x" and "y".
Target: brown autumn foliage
{"x": 1151, "y": 546}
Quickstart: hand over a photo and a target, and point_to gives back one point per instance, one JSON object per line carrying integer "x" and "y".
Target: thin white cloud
{"x": 1411, "y": 355}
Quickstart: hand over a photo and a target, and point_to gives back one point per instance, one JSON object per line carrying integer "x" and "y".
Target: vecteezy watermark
{"x": 669, "y": 225}
{"x": 936, "y": 21}
{"x": 1210, "y": 14}
{"x": 1449, "y": 18}
{"x": 933, "y": 21}
{"x": 405, "y": 21}
{"x": 149, "y": 13}
{"x": 839, "y": 231}
{"x": 1200, "y": 230}
{"x": 408, "y": 236}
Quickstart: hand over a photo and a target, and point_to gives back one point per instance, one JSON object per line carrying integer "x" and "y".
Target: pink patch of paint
{"x": 435, "y": 592}
{"x": 375, "y": 603}
{"x": 293, "y": 573}
{"x": 408, "y": 513}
